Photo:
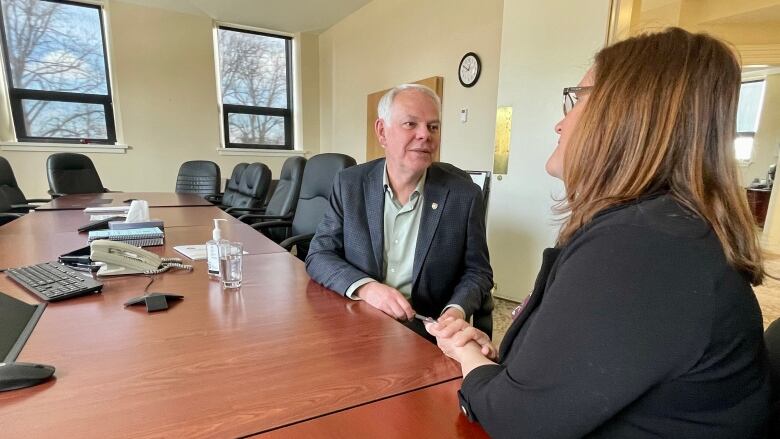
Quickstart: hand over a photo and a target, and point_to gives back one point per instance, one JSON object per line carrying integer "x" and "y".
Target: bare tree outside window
{"x": 255, "y": 74}
{"x": 57, "y": 71}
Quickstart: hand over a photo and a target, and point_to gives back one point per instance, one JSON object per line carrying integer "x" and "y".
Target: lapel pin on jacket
{"x": 434, "y": 206}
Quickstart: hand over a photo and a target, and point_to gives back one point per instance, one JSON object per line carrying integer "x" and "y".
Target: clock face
{"x": 469, "y": 69}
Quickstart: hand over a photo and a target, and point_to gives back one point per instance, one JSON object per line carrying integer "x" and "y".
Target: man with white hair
{"x": 403, "y": 233}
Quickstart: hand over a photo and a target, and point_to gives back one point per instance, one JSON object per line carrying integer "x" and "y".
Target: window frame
{"x": 751, "y": 134}
{"x": 286, "y": 113}
{"x": 17, "y": 95}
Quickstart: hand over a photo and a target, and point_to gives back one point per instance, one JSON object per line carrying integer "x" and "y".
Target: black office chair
{"x": 71, "y": 173}
{"x": 483, "y": 317}
{"x": 772, "y": 340}
{"x": 281, "y": 205}
{"x": 231, "y": 187}
{"x": 252, "y": 190}
{"x": 13, "y": 194}
{"x": 313, "y": 201}
{"x": 6, "y": 216}
{"x": 482, "y": 177}
{"x": 200, "y": 177}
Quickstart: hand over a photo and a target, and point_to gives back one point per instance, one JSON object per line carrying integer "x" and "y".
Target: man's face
{"x": 411, "y": 137}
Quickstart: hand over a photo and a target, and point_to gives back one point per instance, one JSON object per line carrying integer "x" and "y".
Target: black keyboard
{"x": 52, "y": 281}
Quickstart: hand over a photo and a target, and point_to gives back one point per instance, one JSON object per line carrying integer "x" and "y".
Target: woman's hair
{"x": 661, "y": 116}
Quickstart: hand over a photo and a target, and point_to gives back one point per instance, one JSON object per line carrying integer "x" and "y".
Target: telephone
{"x": 122, "y": 258}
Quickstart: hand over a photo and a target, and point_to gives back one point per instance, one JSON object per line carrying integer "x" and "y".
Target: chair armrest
{"x": 37, "y": 200}
{"x": 55, "y": 194}
{"x": 265, "y": 217}
{"x": 23, "y": 208}
{"x": 269, "y": 224}
{"x": 297, "y": 239}
{"x": 215, "y": 199}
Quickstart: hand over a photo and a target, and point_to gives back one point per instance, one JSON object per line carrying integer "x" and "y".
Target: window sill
{"x": 63, "y": 147}
{"x": 262, "y": 152}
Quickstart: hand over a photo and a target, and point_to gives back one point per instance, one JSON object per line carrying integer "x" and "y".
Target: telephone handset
{"x": 122, "y": 258}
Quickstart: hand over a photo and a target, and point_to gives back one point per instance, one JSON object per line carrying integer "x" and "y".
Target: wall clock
{"x": 469, "y": 69}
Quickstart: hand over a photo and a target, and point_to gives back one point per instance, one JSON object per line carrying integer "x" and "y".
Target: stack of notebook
{"x": 139, "y": 237}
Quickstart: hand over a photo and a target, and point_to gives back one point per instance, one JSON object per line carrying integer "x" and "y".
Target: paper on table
{"x": 194, "y": 252}
{"x": 103, "y": 216}
{"x": 107, "y": 209}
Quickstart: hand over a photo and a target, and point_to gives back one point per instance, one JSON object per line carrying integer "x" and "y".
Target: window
{"x": 751, "y": 95}
{"x": 57, "y": 71}
{"x": 256, "y": 76}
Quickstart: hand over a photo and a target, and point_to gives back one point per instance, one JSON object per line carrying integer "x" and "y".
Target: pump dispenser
{"x": 212, "y": 249}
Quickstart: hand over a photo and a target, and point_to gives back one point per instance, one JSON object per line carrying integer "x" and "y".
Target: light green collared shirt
{"x": 401, "y": 226}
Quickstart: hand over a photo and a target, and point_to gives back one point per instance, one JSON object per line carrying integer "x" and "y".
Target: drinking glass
{"x": 231, "y": 258}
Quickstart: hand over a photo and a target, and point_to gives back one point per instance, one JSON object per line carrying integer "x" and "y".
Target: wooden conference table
{"x": 155, "y": 199}
{"x": 281, "y": 356}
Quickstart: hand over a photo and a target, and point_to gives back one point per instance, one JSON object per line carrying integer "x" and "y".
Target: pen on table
{"x": 425, "y": 319}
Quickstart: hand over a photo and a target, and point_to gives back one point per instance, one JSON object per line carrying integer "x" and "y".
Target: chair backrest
{"x": 5, "y": 207}
{"x": 71, "y": 173}
{"x": 8, "y": 186}
{"x": 772, "y": 340}
{"x": 285, "y": 196}
{"x": 288, "y": 188}
{"x": 199, "y": 177}
{"x": 271, "y": 190}
{"x": 482, "y": 179}
{"x": 231, "y": 187}
{"x": 316, "y": 187}
{"x": 5, "y": 204}
{"x": 253, "y": 186}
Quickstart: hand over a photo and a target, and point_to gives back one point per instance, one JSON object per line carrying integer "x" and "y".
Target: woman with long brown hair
{"x": 642, "y": 321}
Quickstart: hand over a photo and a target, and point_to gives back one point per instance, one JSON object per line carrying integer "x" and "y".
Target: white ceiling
{"x": 281, "y": 15}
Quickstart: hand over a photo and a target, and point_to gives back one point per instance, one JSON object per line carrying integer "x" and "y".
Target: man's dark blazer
{"x": 451, "y": 262}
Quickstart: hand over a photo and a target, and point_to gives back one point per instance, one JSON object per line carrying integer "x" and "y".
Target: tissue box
{"x": 121, "y": 225}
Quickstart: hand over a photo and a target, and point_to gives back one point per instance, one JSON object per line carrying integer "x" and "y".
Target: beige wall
{"x": 538, "y": 59}
{"x": 166, "y": 95}
{"x": 389, "y": 42}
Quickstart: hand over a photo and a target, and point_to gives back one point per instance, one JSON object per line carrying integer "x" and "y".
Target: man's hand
{"x": 386, "y": 299}
{"x": 453, "y": 312}
{"x": 454, "y": 334}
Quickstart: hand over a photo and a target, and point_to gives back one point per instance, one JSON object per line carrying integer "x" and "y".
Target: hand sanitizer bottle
{"x": 212, "y": 250}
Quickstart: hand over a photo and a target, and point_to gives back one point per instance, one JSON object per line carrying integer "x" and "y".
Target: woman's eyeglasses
{"x": 570, "y": 97}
